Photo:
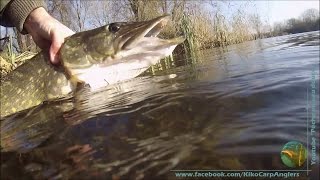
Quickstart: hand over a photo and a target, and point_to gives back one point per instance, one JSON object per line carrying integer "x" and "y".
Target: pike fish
{"x": 98, "y": 57}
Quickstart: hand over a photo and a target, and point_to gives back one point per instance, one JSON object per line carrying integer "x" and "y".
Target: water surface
{"x": 230, "y": 108}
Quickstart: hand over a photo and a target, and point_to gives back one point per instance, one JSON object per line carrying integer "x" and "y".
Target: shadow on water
{"x": 232, "y": 108}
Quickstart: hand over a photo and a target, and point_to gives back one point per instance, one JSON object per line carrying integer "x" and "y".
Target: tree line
{"x": 207, "y": 24}
{"x": 309, "y": 20}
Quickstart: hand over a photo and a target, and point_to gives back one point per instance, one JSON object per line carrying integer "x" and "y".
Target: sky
{"x": 270, "y": 11}
{"x": 280, "y": 10}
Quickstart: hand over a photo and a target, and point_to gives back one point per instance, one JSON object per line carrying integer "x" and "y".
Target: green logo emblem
{"x": 293, "y": 154}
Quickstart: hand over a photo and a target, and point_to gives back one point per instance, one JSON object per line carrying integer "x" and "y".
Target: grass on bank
{"x": 9, "y": 59}
{"x": 202, "y": 30}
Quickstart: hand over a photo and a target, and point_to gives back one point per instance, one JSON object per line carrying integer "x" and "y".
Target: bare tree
{"x": 137, "y": 8}
{"x": 178, "y": 9}
{"x": 256, "y": 23}
{"x": 60, "y": 9}
{"x": 4, "y": 37}
{"x": 310, "y": 15}
{"x": 108, "y": 11}
{"x": 80, "y": 11}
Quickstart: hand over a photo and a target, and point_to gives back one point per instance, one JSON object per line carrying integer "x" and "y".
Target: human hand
{"x": 47, "y": 32}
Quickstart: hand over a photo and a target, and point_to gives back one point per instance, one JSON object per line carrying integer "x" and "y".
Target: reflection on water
{"x": 231, "y": 108}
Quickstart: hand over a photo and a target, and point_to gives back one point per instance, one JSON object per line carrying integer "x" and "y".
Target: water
{"x": 229, "y": 109}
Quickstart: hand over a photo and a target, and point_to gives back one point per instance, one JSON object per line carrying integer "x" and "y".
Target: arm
{"x": 30, "y": 16}
{"x": 15, "y": 12}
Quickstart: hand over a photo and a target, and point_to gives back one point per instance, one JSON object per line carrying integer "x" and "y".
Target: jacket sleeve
{"x": 15, "y": 12}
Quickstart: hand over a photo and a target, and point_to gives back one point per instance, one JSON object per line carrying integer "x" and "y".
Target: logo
{"x": 293, "y": 154}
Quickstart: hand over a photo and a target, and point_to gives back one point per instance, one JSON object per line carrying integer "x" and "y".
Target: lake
{"x": 226, "y": 110}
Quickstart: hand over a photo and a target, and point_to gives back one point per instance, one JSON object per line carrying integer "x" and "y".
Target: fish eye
{"x": 114, "y": 27}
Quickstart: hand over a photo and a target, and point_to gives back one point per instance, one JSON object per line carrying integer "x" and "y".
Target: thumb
{"x": 54, "y": 49}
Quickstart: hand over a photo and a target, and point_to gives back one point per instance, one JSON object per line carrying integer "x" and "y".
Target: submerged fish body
{"x": 98, "y": 57}
{"x": 32, "y": 83}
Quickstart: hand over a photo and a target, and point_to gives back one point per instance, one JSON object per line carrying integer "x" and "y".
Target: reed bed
{"x": 202, "y": 29}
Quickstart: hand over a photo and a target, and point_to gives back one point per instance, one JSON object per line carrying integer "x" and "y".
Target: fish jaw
{"x": 106, "y": 57}
{"x": 130, "y": 64}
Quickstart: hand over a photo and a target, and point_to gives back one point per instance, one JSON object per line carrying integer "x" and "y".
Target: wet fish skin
{"x": 32, "y": 83}
{"x": 99, "y": 57}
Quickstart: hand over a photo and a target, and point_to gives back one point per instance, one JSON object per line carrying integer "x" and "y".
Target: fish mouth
{"x": 133, "y": 48}
{"x": 131, "y": 35}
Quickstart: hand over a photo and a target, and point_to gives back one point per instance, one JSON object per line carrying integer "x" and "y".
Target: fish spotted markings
{"x": 78, "y": 54}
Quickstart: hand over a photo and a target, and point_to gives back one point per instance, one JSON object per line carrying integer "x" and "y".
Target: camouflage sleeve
{"x": 15, "y": 12}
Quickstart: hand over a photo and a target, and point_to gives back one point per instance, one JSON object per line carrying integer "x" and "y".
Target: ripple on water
{"x": 232, "y": 108}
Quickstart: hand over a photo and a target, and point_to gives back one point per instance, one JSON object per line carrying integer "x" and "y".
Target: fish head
{"x": 116, "y": 52}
